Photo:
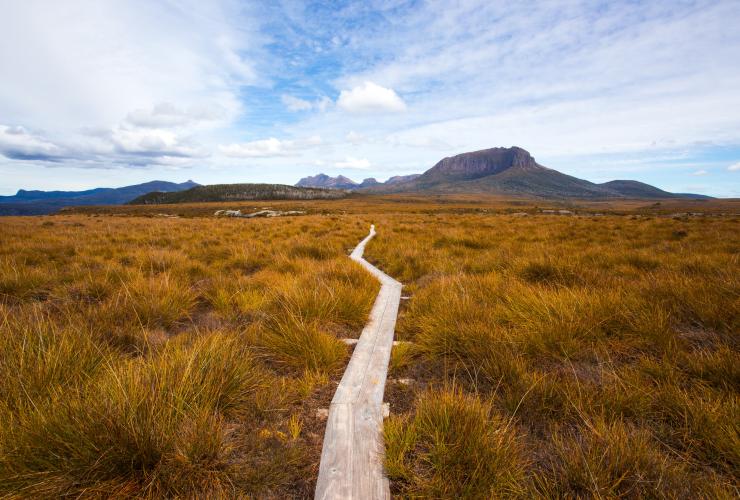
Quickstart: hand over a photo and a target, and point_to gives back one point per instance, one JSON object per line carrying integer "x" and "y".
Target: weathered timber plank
{"x": 352, "y": 454}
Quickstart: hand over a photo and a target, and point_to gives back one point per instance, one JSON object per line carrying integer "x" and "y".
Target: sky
{"x": 116, "y": 92}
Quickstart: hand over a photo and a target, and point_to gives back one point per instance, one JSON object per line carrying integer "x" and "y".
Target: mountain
{"x": 325, "y": 181}
{"x": 513, "y": 171}
{"x": 398, "y": 179}
{"x": 369, "y": 182}
{"x": 44, "y": 202}
{"x": 637, "y": 189}
{"x": 238, "y": 192}
{"x": 342, "y": 182}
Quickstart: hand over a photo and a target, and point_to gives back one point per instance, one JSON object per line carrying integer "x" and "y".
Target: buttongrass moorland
{"x": 547, "y": 356}
{"x": 564, "y": 356}
{"x": 144, "y": 357}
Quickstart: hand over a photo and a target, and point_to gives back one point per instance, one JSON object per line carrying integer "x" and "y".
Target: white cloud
{"x": 19, "y": 144}
{"x": 583, "y": 85}
{"x": 267, "y": 148}
{"x": 370, "y": 98}
{"x": 700, "y": 172}
{"x": 102, "y": 65}
{"x": 255, "y": 149}
{"x": 166, "y": 115}
{"x": 735, "y": 167}
{"x": 353, "y": 163}
{"x": 151, "y": 142}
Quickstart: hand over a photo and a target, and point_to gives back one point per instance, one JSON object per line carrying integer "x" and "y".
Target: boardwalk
{"x": 352, "y": 456}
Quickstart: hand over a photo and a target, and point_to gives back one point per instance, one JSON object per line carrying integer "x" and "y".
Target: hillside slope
{"x": 325, "y": 181}
{"x": 513, "y": 171}
{"x": 238, "y": 192}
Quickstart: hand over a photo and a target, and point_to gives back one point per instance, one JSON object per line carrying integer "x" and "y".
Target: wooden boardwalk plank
{"x": 352, "y": 455}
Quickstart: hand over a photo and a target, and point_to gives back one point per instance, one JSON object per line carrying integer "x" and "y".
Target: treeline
{"x": 238, "y": 192}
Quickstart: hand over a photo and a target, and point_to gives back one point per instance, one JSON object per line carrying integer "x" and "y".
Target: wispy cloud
{"x": 268, "y": 148}
{"x": 353, "y": 163}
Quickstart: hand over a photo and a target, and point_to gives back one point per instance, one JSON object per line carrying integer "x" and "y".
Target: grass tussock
{"x": 453, "y": 446}
{"x": 170, "y": 358}
{"x": 553, "y": 357}
{"x": 608, "y": 345}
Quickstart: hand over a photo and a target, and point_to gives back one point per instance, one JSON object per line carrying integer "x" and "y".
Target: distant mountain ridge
{"x": 342, "y": 182}
{"x": 325, "y": 181}
{"x": 34, "y": 202}
{"x": 513, "y": 172}
{"x": 238, "y": 192}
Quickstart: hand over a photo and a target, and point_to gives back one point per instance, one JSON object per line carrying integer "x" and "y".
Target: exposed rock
{"x": 325, "y": 181}
{"x": 261, "y": 213}
{"x": 513, "y": 171}
{"x": 228, "y": 213}
{"x": 478, "y": 164}
{"x": 273, "y": 213}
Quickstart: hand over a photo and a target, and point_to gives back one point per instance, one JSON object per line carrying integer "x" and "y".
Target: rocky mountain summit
{"x": 514, "y": 172}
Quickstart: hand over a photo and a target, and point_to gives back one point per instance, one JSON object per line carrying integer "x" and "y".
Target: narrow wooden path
{"x": 352, "y": 455}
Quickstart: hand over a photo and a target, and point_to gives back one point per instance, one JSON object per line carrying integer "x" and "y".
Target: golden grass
{"x": 454, "y": 446}
{"x": 552, "y": 356}
{"x": 609, "y": 344}
{"x": 171, "y": 358}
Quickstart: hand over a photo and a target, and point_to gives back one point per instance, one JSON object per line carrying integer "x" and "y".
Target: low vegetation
{"x": 171, "y": 358}
{"x": 564, "y": 356}
{"x": 552, "y": 356}
{"x": 237, "y": 192}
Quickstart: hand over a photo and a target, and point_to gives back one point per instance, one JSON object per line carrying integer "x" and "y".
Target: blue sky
{"x": 110, "y": 93}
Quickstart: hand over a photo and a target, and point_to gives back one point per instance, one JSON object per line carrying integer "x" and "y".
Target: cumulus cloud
{"x": 353, "y": 163}
{"x": 735, "y": 167}
{"x": 370, "y": 98}
{"x": 151, "y": 142}
{"x": 131, "y": 72}
{"x": 700, "y": 172}
{"x": 17, "y": 143}
{"x": 266, "y": 148}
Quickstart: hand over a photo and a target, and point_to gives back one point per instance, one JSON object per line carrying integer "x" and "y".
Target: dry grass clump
{"x": 613, "y": 460}
{"x": 609, "y": 344}
{"x": 145, "y": 426}
{"x": 171, "y": 358}
{"x": 453, "y": 446}
{"x": 552, "y": 356}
